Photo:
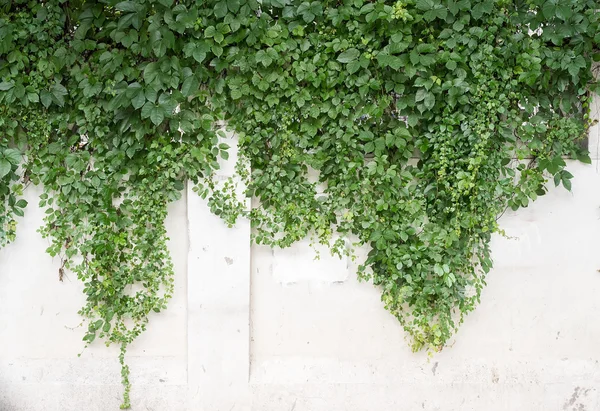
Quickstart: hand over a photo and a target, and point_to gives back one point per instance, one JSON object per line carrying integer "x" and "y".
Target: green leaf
{"x": 59, "y": 92}
{"x": 421, "y": 94}
{"x": 584, "y": 158}
{"x": 425, "y": 4}
{"x": 458, "y": 26}
{"x": 5, "y": 167}
{"x": 4, "y": 86}
{"x": 151, "y": 72}
{"x": 190, "y": 86}
{"x": 147, "y": 110}
{"x": 234, "y": 5}
{"x": 429, "y": 101}
{"x": 199, "y": 55}
{"x": 454, "y": 6}
{"x": 89, "y": 338}
{"x": 349, "y": 55}
{"x": 138, "y": 100}
{"x": 427, "y": 59}
{"x": 97, "y": 324}
{"x": 236, "y": 94}
{"x": 45, "y": 98}
{"x": 128, "y": 6}
{"x": 54, "y": 148}
{"x": 64, "y": 180}
{"x": 353, "y": 67}
{"x": 263, "y": 58}
{"x": 557, "y": 8}
{"x": 210, "y": 32}
{"x": 564, "y": 11}
{"x": 151, "y": 94}
{"x": 12, "y": 155}
{"x": 485, "y": 7}
{"x": 217, "y": 50}
{"x": 386, "y": 60}
{"x": 439, "y": 12}
{"x": 220, "y": 9}
{"x": 157, "y": 115}
{"x": 33, "y": 97}
{"x": 22, "y": 203}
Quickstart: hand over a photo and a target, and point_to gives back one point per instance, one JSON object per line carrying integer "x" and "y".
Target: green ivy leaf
{"x": 5, "y": 167}
{"x": 221, "y": 9}
{"x": 199, "y": 55}
{"x": 439, "y": 12}
{"x": 58, "y": 92}
{"x": 138, "y": 100}
{"x": 13, "y": 156}
{"x": 386, "y": 60}
{"x": 5, "y": 85}
{"x": 45, "y": 98}
{"x": 157, "y": 115}
{"x": 190, "y": 86}
{"x": 485, "y": 7}
{"x": 33, "y": 97}
{"x": 353, "y": 67}
{"x": 234, "y": 5}
{"x": 349, "y": 55}
{"x": 263, "y": 58}
{"x": 128, "y": 6}
{"x": 210, "y": 31}
{"x": 426, "y": 4}
{"x": 147, "y": 110}
{"x": 429, "y": 101}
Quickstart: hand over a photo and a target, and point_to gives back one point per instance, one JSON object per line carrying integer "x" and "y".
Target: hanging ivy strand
{"x": 411, "y": 125}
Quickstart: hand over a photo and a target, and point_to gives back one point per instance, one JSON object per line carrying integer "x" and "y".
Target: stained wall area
{"x": 251, "y": 328}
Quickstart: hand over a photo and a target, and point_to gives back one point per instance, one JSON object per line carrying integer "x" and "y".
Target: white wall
{"x": 250, "y": 328}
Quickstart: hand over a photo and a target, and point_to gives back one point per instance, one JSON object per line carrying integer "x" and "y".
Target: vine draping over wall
{"x": 113, "y": 105}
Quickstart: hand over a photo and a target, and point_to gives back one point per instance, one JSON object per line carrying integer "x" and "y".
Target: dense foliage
{"x": 408, "y": 125}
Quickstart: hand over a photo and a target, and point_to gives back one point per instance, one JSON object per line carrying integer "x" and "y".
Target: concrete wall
{"x": 250, "y": 328}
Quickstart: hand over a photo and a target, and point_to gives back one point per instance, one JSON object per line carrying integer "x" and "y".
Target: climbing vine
{"x": 410, "y": 126}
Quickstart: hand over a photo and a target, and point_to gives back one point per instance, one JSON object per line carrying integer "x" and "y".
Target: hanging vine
{"x": 409, "y": 125}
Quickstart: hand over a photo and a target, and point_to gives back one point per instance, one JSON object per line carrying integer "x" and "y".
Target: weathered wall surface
{"x": 531, "y": 345}
{"x": 250, "y": 328}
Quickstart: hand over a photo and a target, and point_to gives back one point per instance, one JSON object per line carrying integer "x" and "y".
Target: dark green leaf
{"x": 157, "y": 115}
{"x": 190, "y": 86}
{"x": 45, "y": 98}
{"x": 138, "y": 100}
{"x": 128, "y": 6}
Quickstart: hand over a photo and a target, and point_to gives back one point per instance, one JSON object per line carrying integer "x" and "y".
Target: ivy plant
{"x": 409, "y": 125}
